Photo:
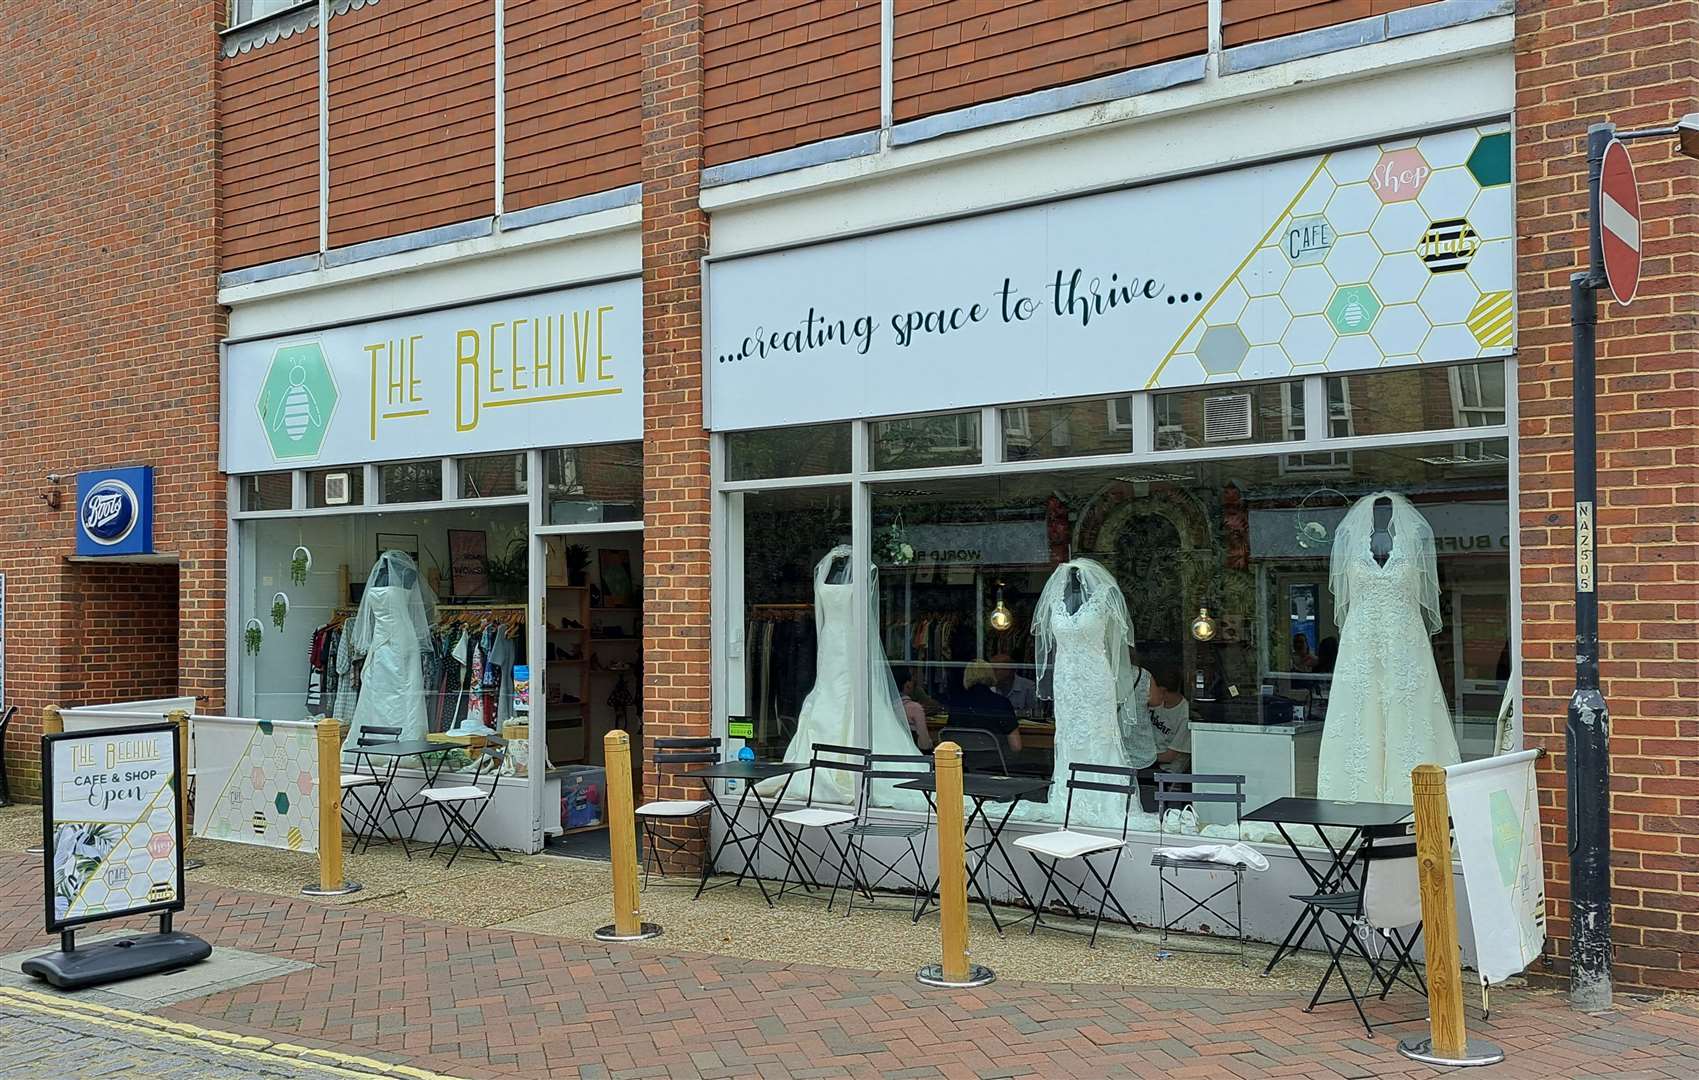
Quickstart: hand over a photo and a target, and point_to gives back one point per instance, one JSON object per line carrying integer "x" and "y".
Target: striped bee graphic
{"x": 260, "y": 823}
{"x": 1448, "y": 245}
{"x": 298, "y": 411}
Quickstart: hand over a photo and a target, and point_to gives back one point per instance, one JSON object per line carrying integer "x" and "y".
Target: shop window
{"x": 343, "y": 486}
{"x": 1229, "y": 415}
{"x": 491, "y": 476}
{"x": 268, "y": 491}
{"x": 1072, "y": 429}
{"x": 1338, "y": 426}
{"x": 803, "y": 450}
{"x": 440, "y": 587}
{"x": 590, "y": 484}
{"x": 925, "y": 442}
{"x": 1430, "y": 398}
{"x": 410, "y": 481}
{"x": 243, "y": 11}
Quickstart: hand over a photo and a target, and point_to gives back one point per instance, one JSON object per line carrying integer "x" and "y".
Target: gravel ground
{"x": 569, "y": 897}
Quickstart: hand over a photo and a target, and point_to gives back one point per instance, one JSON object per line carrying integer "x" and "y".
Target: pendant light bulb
{"x": 1203, "y": 627}
{"x": 1002, "y": 619}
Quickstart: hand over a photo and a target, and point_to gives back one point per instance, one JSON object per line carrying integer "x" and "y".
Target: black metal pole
{"x": 1588, "y": 729}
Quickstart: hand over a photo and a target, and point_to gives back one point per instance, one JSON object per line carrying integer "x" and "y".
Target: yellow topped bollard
{"x": 328, "y": 735}
{"x": 628, "y": 924}
{"x": 1448, "y": 1043}
{"x": 953, "y": 971}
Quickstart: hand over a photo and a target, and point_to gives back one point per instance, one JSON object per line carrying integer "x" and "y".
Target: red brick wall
{"x": 108, "y": 304}
{"x": 781, "y": 73}
{"x": 574, "y": 87}
{"x": 950, "y": 54}
{"x": 1245, "y": 21}
{"x": 412, "y": 117}
{"x": 675, "y": 446}
{"x": 128, "y": 617}
{"x": 268, "y": 101}
{"x": 1578, "y": 62}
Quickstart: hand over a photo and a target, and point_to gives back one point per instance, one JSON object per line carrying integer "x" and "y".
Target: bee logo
{"x": 300, "y": 411}
{"x": 260, "y": 823}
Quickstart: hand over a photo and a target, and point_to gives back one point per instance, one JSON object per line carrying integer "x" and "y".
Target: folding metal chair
{"x": 826, "y": 758}
{"x": 366, "y": 805}
{"x": 895, "y": 768}
{"x": 1067, "y": 845}
{"x": 1388, "y": 903}
{"x": 982, "y": 751}
{"x": 669, "y": 754}
{"x": 1176, "y": 790}
{"x": 451, "y": 801}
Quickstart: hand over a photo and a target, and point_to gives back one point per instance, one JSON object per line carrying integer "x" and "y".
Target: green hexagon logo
{"x": 1489, "y": 162}
{"x": 1353, "y": 309}
{"x": 297, "y": 400}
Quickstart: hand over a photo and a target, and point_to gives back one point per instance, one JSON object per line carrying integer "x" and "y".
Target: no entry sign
{"x": 1619, "y": 222}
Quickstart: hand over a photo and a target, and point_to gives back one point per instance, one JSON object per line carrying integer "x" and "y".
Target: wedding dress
{"x": 1084, "y": 665}
{"x": 1386, "y": 710}
{"x": 827, "y": 714}
{"x": 390, "y": 633}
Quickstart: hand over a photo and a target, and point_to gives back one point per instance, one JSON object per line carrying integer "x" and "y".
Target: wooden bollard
{"x": 327, "y": 734}
{"x": 628, "y": 924}
{"x": 954, "y": 969}
{"x": 1448, "y": 1042}
{"x": 180, "y": 720}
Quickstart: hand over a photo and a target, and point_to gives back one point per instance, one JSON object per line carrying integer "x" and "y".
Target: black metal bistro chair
{"x": 982, "y": 751}
{"x": 1051, "y": 849}
{"x": 1387, "y": 904}
{"x": 364, "y": 793}
{"x": 793, "y": 825}
{"x": 454, "y": 801}
{"x": 1177, "y": 790}
{"x": 671, "y": 754}
{"x": 888, "y": 769}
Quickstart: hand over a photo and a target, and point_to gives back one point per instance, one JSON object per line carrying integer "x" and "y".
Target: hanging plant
{"x": 252, "y": 635}
{"x": 299, "y": 563}
{"x": 891, "y": 546}
{"x": 279, "y": 609}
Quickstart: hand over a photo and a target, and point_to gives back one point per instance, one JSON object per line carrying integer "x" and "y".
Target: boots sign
{"x": 115, "y": 511}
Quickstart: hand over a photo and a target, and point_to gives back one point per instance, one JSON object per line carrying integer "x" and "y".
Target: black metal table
{"x": 1321, "y": 815}
{"x": 422, "y": 749}
{"x": 985, "y": 788}
{"x": 750, "y": 774}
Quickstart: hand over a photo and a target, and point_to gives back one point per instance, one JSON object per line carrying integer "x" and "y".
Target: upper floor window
{"x": 244, "y": 11}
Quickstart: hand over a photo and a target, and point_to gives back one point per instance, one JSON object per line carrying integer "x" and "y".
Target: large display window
{"x": 1306, "y": 581}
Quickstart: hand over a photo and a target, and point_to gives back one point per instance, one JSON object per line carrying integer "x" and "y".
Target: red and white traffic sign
{"x": 1619, "y": 222}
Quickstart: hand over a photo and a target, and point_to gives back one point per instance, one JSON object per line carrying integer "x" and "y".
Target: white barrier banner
{"x": 256, "y": 782}
{"x": 1496, "y": 809}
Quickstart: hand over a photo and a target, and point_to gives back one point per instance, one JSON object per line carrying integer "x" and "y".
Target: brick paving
{"x": 489, "y": 1003}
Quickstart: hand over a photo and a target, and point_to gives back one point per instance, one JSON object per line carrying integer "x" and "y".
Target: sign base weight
{"x": 114, "y": 960}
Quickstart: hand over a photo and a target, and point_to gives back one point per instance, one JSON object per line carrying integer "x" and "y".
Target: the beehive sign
{"x": 113, "y": 838}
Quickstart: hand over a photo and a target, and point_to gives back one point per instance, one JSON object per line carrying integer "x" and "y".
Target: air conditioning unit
{"x": 336, "y": 489}
{"x": 1227, "y": 418}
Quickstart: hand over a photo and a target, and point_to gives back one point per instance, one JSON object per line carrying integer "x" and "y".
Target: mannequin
{"x": 391, "y": 633}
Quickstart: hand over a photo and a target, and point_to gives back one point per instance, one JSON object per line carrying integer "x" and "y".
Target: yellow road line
{"x": 224, "y": 1042}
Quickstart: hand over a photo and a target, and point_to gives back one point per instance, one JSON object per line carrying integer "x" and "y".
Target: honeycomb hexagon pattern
{"x": 266, "y": 777}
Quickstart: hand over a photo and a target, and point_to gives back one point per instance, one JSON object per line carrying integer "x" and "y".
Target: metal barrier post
{"x": 954, "y": 970}
{"x": 329, "y": 735}
{"x": 628, "y": 924}
{"x": 1448, "y": 1042}
{"x": 51, "y": 724}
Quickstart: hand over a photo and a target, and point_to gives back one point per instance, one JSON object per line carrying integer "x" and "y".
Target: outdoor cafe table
{"x": 749, "y": 774}
{"x": 985, "y": 788}
{"x": 428, "y": 753}
{"x": 1321, "y": 815}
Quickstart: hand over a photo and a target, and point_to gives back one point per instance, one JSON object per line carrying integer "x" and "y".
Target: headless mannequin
{"x": 838, "y": 572}
{"x": 1380, "y": 540}
{"x": 1071, "y": 594}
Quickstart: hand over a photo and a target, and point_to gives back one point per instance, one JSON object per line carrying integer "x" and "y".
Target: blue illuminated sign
{"x": 115, "y": 511}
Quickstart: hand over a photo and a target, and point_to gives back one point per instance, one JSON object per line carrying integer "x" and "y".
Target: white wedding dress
{"x": 1386, "y": 710}
{"x": 390, "y": 632}
{"x": 827, "y": 713}
{"x": 1084, "y": 666}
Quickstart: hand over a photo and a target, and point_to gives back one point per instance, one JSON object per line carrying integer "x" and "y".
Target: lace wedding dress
{"x": 1084, "y": 666}
{"x": 1386, "y": 710}
{"x": 827, "y": 714}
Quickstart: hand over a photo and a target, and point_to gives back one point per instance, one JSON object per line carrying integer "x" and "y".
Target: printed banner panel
{"x": 1378, "y": 255}
{"x": 113, "y": 840}
{"x": 553, "y": 369}
{"x": 257, "y": 783}
{"x": 1497, "y": 810}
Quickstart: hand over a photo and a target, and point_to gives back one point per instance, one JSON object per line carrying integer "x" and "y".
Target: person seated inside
{"x": 913, "y": 711}
{"x": 1021, "y": 692}
{"x": 979, "y": 705}
{"x": 1169, "y": 716}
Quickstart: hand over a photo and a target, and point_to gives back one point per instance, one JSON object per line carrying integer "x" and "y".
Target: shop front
{"x": 436, "y": 533}
{"x": 1210, "y": 475}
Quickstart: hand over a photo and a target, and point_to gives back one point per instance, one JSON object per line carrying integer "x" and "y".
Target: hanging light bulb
{"x": 1203, "y": 627}
{"x": 1002, "y": 619}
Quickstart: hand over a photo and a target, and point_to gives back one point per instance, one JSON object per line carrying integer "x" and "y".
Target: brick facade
{"x": 675, "y": 447}
{"x": 1246, "y": 21}
{"x": 1634, "y": 64}
{"x": 268, "y": 102}
{"x": 107, "y": 296}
